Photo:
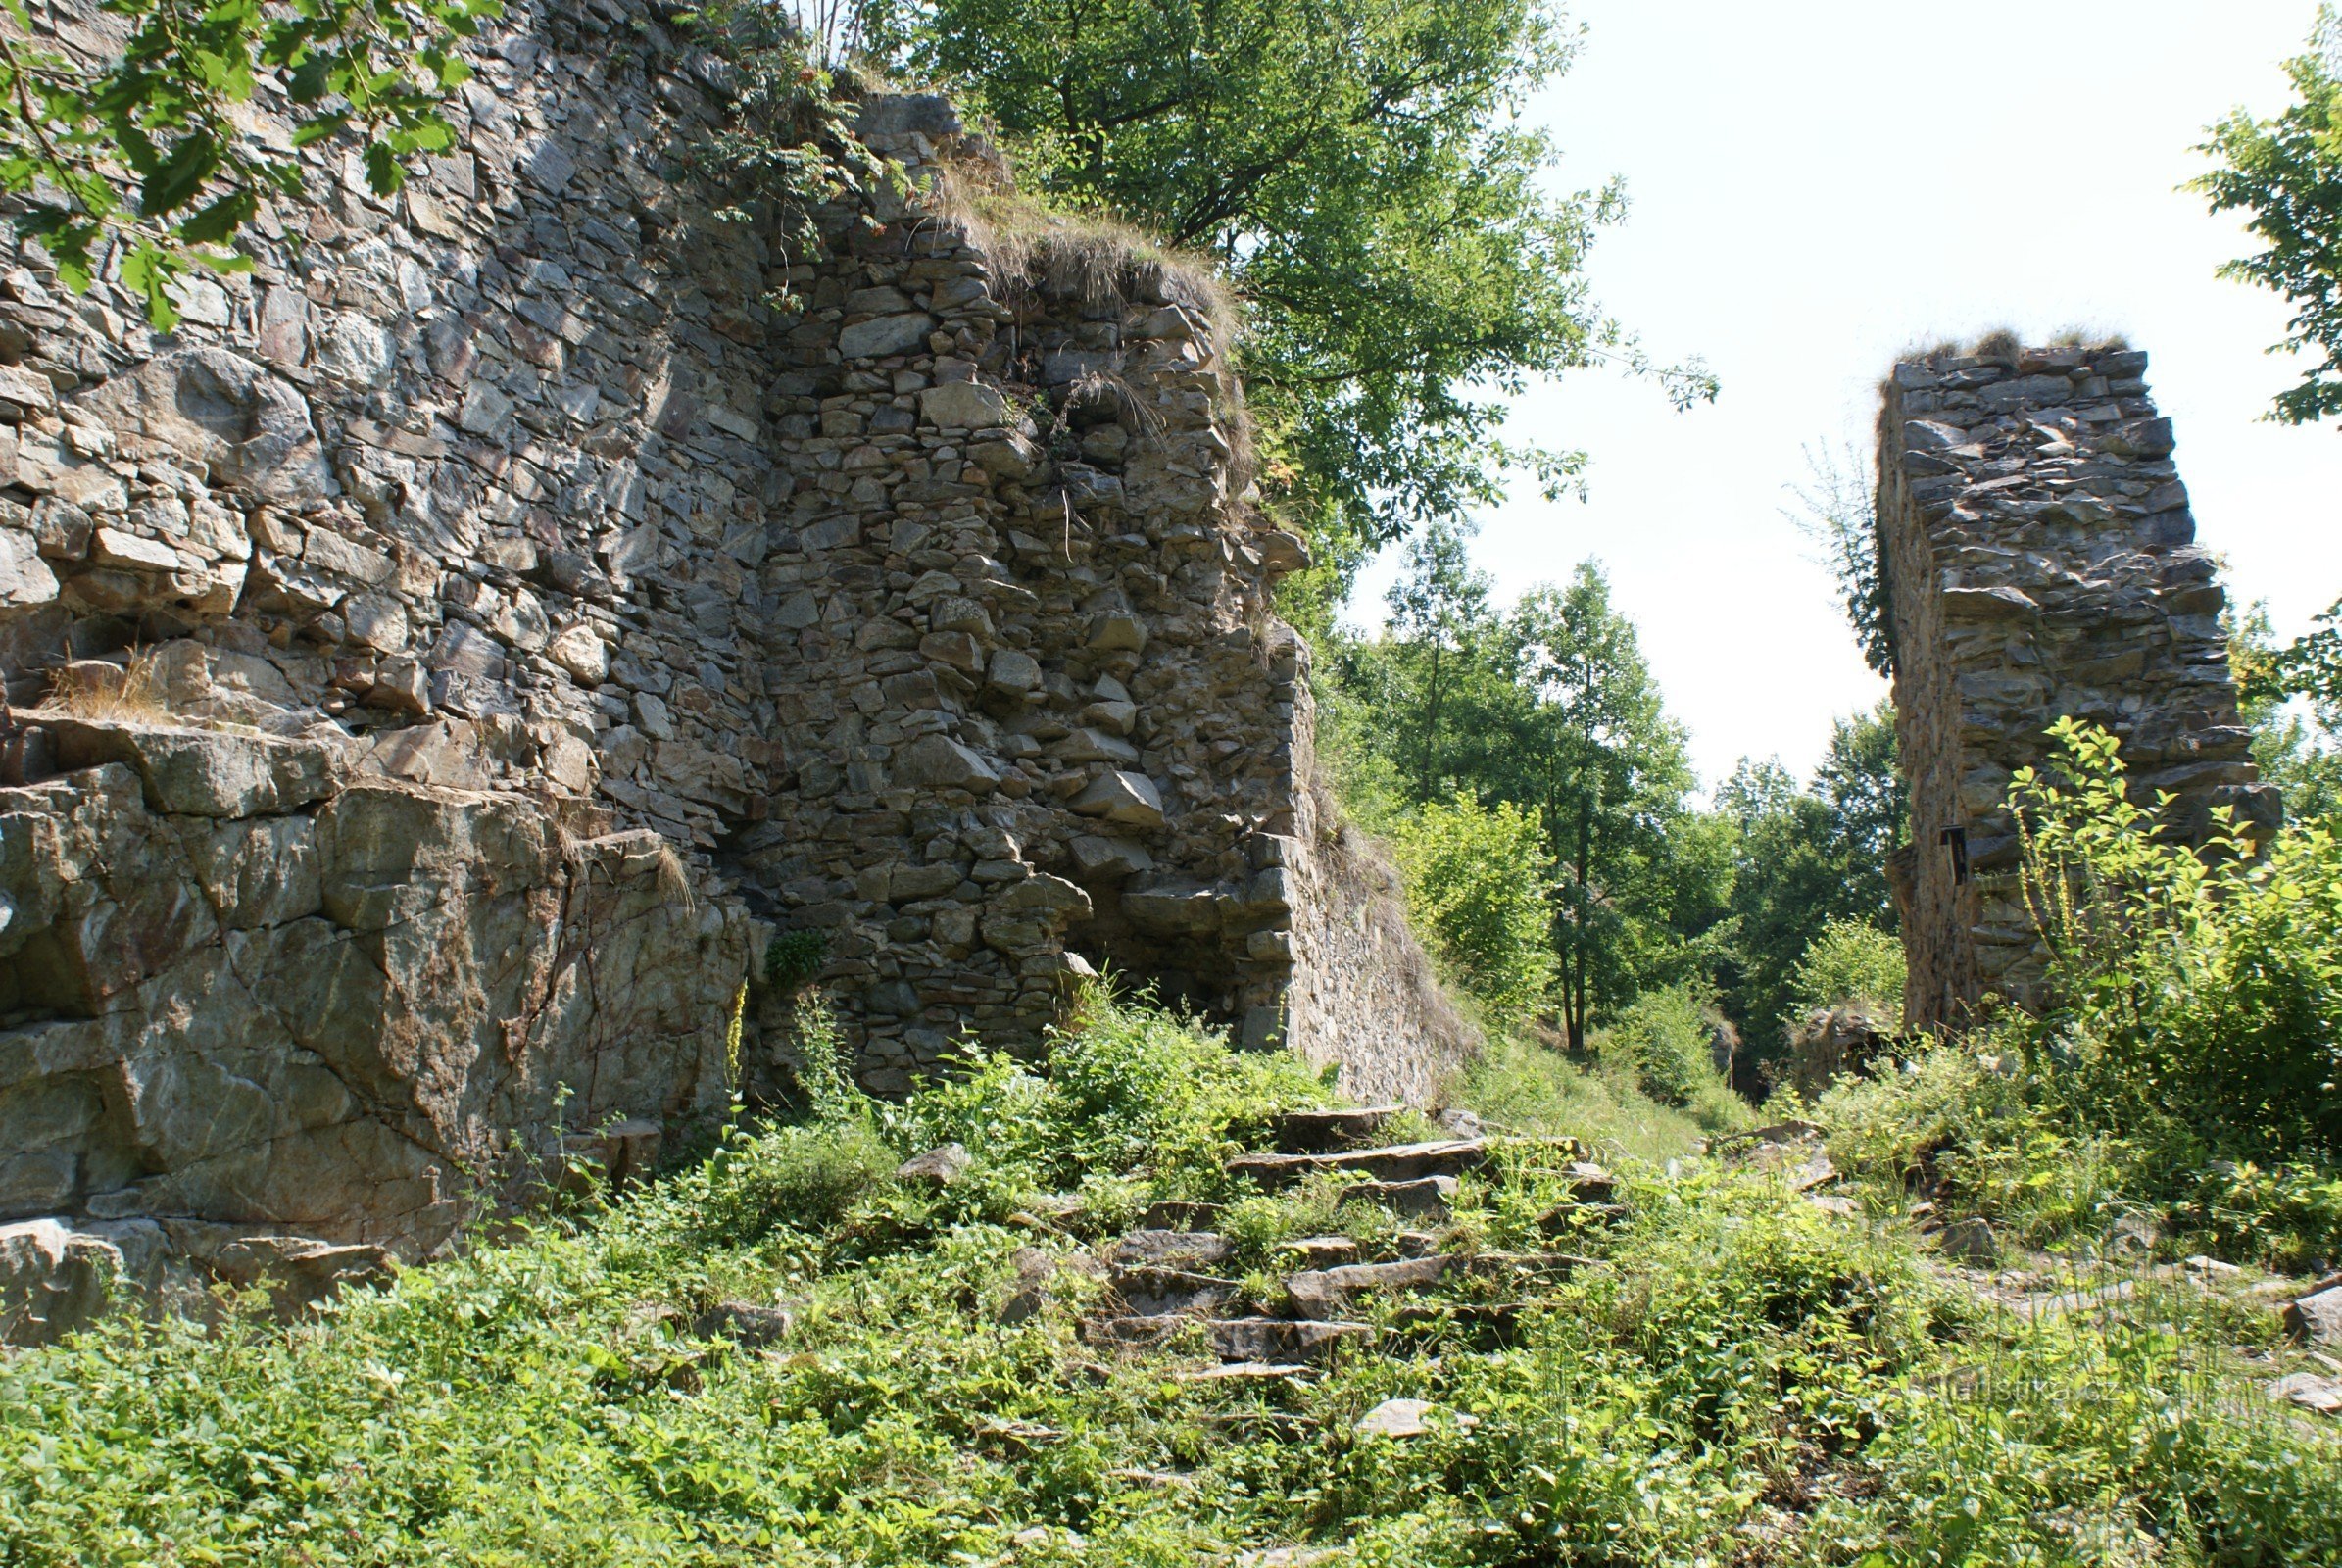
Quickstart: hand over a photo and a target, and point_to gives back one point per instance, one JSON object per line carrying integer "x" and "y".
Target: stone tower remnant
{"x": 2038, "y": 560}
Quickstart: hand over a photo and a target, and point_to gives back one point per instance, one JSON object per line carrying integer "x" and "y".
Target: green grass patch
{"x": 1735, "y": 1377}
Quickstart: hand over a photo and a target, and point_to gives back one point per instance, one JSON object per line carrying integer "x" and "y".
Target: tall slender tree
{"x": 1608, "y": 771}
{"x": 1441, "y": 625}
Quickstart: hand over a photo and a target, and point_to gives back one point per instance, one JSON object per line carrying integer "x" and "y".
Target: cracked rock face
{"x": 327, "y": 1007}
{"x": 474, "y": 523}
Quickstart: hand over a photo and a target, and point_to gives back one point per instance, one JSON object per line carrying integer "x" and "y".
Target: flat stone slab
{"x": 1402, "y": 1162}
{"x": 1170, "y": 1249}
{"x": 1540, "y": 1263}
{"x": 1322, "y": 1251}
{"x": 1407, "y": 1418}
{"x": 2309, "y": 1390}
{"x": 1268, "y": 1338}
{"x": 2317, "y": 1316}
{"x": 1255, "y": 1340}
{"x": 1244, "y": 1373}
{"x": 1325, "y": 1293}
{"x": 1318, "y": 1132}
{"x": 1428, "y": 1197}
{"x": 1166, "y": 1292}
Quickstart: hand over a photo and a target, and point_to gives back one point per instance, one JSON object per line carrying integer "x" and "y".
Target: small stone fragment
{"x": 936, "y": 1168}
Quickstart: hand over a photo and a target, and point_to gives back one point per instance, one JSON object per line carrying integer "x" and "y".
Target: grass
{"x": 104, "y": 693}
{"x": 1736, "y": 1377}
{"x": 1522, "y": 1085}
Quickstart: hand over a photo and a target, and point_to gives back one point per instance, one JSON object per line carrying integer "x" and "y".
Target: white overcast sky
{"x": 1817, "y": 183}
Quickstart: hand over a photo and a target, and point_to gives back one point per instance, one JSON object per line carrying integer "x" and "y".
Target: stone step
{"x": 1269, "y": 1338}
{"x": 1157, "y": 1248}
{"x": 1567, "y": 1217}
{"x": 1251, "y": 1339}
{"x": 1429, "y": 1197}
{"x": 1244, "y": 1373}
{"x": 1322, "y": 1251}
{"x": 1494, "y": 1321}
{"x": 1319, "y": 1132}
{"x": 1178, "y": 1214}
{"x": 1543, "y": 1264}
{"x": 1323, "y": 1294}
{"x": 1168, "y": 1291}
{"x": 1401, "y": 1163}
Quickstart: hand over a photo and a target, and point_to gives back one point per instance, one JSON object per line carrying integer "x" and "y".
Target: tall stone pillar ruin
{"x": 2039, "y": 560}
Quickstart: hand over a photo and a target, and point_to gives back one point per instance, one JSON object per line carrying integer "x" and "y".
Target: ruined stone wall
{"x": 909, "y": 591}
{"x": 2040, "y": 561}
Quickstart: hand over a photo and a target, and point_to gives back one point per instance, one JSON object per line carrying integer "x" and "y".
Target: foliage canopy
{"x": 1359, "y": 169}
{"x": 2285, "y": 174}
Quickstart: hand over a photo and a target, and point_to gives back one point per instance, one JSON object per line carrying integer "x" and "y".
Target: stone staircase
{"x": 1171, "y": 1275}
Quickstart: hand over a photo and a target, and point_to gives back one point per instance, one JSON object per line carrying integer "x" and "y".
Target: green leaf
{"x": 219, "y": 222}
{"x": 180, "y": 175}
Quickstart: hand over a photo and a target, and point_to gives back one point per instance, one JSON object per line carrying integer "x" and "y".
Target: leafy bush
{"x": 1663, "y": 1037}
{"x": 1851, "y": 960}
{"x": 2200, "y": 989}
{"x": 1478, "y": 881}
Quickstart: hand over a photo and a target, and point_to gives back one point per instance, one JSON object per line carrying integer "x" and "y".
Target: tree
{"x": 148, "y": 147}
{"x": 2296, "y": 753}
{"x": 1608, "y": 771}
{"x": 1804, "y": 858}
{"x": 1477, "y": 880}
{"x": 2286, "y": 173}
{"x": 1358, "y": 168}
{"x": 1440, "y": 620}
{"x": 1837, "y": 509}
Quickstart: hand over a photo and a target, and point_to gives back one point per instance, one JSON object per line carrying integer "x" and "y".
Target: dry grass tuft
{"x": 674, "y": 880}
{"x": 1095, "y": 260}
{"x": 1097, "y": 388}
{"x": 2089, "y": 341}
{"x": 2001, "y": 343}
{"x": 100, "y": 691}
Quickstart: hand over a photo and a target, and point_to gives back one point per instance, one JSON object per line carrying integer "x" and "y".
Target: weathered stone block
{"x": 1122, "y": 797}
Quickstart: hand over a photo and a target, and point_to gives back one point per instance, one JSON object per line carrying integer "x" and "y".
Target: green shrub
{"x": 2201, "y": 989}
{"x": 1663, "y": 1037}
{"x": 1851, "y": 961}
{"x": 1478, "y": 879}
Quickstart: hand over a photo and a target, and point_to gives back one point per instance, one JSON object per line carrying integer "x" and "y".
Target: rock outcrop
{"x": 2039, "y": 560}
{"x": 539, "y": 587}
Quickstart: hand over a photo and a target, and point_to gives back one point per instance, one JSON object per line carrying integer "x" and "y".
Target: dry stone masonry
{"x": 514, "y": 603}
{"x": 2040, "y": 561}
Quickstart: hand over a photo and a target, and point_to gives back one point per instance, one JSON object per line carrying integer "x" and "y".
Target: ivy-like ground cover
{"x": 1741, "y": 1378}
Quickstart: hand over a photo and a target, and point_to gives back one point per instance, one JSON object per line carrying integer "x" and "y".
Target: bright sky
{"x": 1819, "y": 183}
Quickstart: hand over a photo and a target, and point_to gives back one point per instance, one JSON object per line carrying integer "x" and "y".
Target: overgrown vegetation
{"x": 1733, "y": 1375}
{"x": 2185, "y": 1073}
{"x": 157, "y": 147}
